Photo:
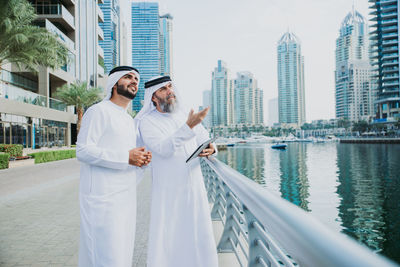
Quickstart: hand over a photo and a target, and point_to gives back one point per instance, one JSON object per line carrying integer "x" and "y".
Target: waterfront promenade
{"x": 39, "y": 213}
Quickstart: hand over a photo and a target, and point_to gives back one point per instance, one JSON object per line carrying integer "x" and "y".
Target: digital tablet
{"x": 200, "y": 148}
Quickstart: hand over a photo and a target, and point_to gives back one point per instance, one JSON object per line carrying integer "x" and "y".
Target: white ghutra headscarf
{"x": 151, "y": 86}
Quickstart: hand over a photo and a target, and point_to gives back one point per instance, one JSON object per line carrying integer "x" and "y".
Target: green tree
{"x": 81, "y": 96}
{"x": 25, "y": 44}
{"x": 361, "y": 126}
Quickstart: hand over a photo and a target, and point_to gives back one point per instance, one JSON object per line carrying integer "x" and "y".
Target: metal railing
{"x": 262, "y": 229}
{"x": 15, "y": 93}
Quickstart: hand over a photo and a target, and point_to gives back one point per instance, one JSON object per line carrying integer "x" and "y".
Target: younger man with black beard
{"x": 106, "y": 147}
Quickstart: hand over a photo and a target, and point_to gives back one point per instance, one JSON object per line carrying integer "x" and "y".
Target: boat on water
{"x": 279, "y": 146}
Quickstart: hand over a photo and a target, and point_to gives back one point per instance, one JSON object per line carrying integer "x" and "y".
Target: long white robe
{"x": 181, "y": 232}
{"x": 107, "y": 186}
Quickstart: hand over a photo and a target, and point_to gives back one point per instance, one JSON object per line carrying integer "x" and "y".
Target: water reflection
{"x": 369, "y": 187}
{"x": 294, "y": 181}
{"x": 351, "y": 188}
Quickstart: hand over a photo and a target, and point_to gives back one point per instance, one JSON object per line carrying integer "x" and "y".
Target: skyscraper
{"x": 354, "y": 97}
{"x": 111, "y": 29}
{"x": 248, "y": 98}
{"x": 89, "y": 33}
{"x": 207, "y": 103}
{"x": 385, "y": 57}
{"x": 221, "y": 95}
{"x": 291, "y": 80}
{"x": 145, "y": 45}
{"x": 166, "y": 44}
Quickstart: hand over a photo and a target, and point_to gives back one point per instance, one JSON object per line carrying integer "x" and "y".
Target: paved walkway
{"x": 39, "y": 217}
{"x": 39, "y": 213}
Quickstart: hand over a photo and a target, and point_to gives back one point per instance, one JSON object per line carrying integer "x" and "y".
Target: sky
{"x": 244, "y": 34}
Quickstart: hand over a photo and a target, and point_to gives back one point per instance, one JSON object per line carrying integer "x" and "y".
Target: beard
{"x": 167, "y": 106}
{"x": 124, "y": 91}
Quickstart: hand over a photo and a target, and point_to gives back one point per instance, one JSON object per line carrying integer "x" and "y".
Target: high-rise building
{"x": 291, "y": 80}
{"x": 111, "y": 30}
{"x": 89, "y": 33}
{"x": 259, "y": 107}
{"x": 248, "y": 99}
{"x": 221, "y": 96}
{"x": 354, "y": 97}
{"x": 273, "y": 111}
{"x": 385, "y": 57}
{"x": 207, "y": 103}
{"x": 166, "y": 45}
{"x": 145, "y": 45}
{"x": 29, "y": 114}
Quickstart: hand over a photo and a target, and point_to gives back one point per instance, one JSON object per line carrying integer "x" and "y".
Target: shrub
{"x": 47, "y": 156}
{"x": 12, "y": 150}
{"x": 4, "y": 157}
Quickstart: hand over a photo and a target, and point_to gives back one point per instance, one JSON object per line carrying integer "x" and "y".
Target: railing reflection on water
{"x": 262, "y": 229}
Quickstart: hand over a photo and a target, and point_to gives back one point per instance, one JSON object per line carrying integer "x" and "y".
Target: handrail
{"x": 278, "y": 231}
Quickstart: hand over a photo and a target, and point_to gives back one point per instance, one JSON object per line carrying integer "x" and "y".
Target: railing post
{"x": 256, "y": 251}
{"x": 228, "y": 237}
{"x": 218, "y": 209}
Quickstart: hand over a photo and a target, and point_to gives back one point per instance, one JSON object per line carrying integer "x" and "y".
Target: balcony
{"x": 390, "y": 42}
{"x": 68, "y": 42}
{"x": 390, "y": 63}
{"x": 388, "y": 7}
{"x": 389, "y": 15}
{"x": 100, "y": 70}
{"x": 389, "y": 29}
{"x": 389, "y": 35}
{"x": 389, "y": 22}
{"x": 390, "y": 56}
{"x": 100, "y": 14}
{"x": 11, "y": 92}
{"x": 390, "y": 70}
{"x": 391, "y": 84}
{"x": 390, "y": 49}
{"x": 100, "y": 33}
{"x": 56, "y": 13}
{"x": 100, "y": 51}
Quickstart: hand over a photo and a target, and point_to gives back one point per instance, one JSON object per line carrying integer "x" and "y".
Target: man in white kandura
{"x": 106, "y": 147}
{"x": 181, "y": 232}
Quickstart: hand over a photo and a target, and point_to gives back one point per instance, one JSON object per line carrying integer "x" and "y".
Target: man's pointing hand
{"x": 196, "y": 118}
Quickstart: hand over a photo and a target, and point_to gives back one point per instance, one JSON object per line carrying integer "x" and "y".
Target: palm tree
{"x": 81, "y": 96}
{"x": 25, "y": 44}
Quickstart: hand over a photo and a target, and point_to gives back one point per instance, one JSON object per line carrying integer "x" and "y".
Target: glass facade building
{"x": 291, "y": 81}
{"x": 354, "y": 95}
{"x": 111, "y": 30}
{"x": 145, "y": 45}
{"x": 166, "y": 45}
{"x": 221, "y": 96}
{"x": 207, "y": 103}
{"x": 248, "y": 100}
{"x": 384, "y": 38}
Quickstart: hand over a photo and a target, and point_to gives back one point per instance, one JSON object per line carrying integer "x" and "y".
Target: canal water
{"x": 351, "y": 188}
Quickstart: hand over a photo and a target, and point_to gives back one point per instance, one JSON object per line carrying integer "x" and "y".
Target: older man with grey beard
{"x": 180, "y": 227}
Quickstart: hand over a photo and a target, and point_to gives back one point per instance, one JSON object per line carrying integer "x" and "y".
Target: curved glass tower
{"x": 291, "y": 81}
{"x": 354, "y": 97}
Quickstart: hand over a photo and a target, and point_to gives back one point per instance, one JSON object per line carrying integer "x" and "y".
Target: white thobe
{"x": 107, "y": 186}
{"x": 180, "y": 226}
